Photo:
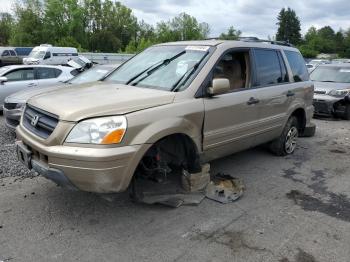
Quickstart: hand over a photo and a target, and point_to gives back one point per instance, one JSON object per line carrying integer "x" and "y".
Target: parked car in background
{"x": 169, "y": 108}
{"x": 50, "y": 55}
{"x": 16, "y": 78}
{"x": 14, "y": 104}
{"x": 8, "y": 56}
{"x": 332, "y": 90}
{"x": 315, "y": 63}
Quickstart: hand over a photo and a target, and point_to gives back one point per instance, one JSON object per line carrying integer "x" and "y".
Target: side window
{"x": 45, "y": 73}
{"x": 268, "y": 68}
{"x": 297, "y": 65}
{"x": 58, "y": 72}
{"x": 234, "y": 66}
{"x": 74, "y": 72}
{"x": 6, "y": 53}
{"x": 20, "y": 74}
{"x": 12, "y": 53}
{"x": 47, "y": 55}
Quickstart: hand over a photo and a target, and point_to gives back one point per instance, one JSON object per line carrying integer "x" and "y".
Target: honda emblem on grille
{"x": 35, "y": 120}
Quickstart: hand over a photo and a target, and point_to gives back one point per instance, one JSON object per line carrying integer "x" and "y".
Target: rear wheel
{"x": 347, "y": 112}
{"x": 287, "y": 142}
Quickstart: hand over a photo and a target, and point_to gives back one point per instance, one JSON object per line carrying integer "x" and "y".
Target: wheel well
{"x": 176, "y": 149}
{"x": 301, "y": 116}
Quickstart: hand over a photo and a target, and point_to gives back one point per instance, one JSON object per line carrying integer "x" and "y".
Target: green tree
{"x": 64, "y": 23}
{"x": 28, "y": 29}
{"x": 232, "y": 34}
{"x": 288, "y": 26}
{"x": 6, "y": 23}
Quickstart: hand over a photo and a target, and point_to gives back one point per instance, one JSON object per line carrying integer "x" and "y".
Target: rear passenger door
{"x": 273, "y": 92}
{"x": 6, "y": 57}
{"x": 47, "y": 76}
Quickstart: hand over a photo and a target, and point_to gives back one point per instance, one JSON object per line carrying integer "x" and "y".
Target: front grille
{"x": 320, "y": 92}
{"x": 39, "y": 122}
{"x": 321, "y": 107}
{"x": 10, "y": 106}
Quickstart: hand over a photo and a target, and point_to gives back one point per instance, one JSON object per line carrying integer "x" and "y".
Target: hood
{"x": 99, "y": 99}
{"x": 23, "y": 96}
{"x": 328, "y": 86}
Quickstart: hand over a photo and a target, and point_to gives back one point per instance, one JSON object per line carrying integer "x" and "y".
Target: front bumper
{"x": 328, "y": 105}
{"x": 12, "y": 117}
{"x": 99, "y": 170}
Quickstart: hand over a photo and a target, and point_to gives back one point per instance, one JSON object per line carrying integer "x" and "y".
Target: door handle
{"x": 31, "y": 84}
{"x": 290, "y": 93}
{"x": 253, "y": 101}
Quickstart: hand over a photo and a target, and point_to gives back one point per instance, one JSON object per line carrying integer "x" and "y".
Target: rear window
{"x": 268, "y": 68}
{"x": 297, "y": 64}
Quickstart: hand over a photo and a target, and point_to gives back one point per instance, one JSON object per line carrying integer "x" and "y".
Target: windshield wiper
{"x": 189, "y": 72}
{"x": 328, "y": 81}
{"x": 150, "y": 70}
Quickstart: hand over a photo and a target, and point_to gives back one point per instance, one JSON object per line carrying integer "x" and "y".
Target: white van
{"x": 50, "y": 55}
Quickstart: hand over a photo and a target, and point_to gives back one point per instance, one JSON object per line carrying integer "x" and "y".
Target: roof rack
{"x": 255, "y": 39}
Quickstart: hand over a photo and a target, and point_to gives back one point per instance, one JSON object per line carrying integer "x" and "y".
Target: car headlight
{"x": 20, "y": 106}
{"x": 104, "y": 131}
{"x": 339, "y": 92}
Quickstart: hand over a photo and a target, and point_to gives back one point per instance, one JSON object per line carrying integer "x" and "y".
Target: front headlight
{"x": 340, "y": 92}
{"x": 20, "y": 106}
{"x": 104, "y": 131}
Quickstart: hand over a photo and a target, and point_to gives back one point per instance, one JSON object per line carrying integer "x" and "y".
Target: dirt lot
{"x": 295, "y": 209}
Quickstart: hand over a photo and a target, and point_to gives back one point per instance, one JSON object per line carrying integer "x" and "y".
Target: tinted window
{"x": 21, "y": 74}
{"x": 297, "y": 65}
{"x": 12, "y": 53}
{"x": 45, "y": 73}
{"x": 74, "y": 72}
{"x": 268, "y": 67}
{"x": 6, "y": 53}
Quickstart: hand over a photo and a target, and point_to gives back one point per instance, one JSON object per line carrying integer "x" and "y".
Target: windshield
{"x": 91, "y": 75}
{"x": 331, "y": 74}
{"x": 37, "y": 54}
{"x": 161, "y": 67}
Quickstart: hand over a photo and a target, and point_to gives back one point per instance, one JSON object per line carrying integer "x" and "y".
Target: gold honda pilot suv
{"x": 174, "y": 105}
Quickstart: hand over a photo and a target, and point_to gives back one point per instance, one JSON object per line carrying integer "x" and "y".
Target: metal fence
{"x": 107, "y": 58}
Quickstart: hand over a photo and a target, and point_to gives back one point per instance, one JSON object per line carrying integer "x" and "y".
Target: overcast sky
{"x": 252, "y": 17}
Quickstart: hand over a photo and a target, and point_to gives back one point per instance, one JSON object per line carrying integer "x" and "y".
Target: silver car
{"x": 332, "y": 90}
{"x": 15, "y": 103}
{"x": 23, "y": 77}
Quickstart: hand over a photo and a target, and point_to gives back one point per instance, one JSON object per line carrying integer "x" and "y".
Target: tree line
{"x": 109, "y": 26}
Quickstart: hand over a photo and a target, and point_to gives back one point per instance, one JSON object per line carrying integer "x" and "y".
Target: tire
{"x": 347, "y": 112}
{"x": 286, "y": 143}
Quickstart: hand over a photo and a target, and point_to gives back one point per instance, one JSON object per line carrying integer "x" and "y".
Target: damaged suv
{"x": 175, "y": 105}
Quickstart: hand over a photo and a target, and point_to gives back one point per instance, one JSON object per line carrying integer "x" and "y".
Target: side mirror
{"x": 219, "y": 86}
{"x": 3, "y": 79}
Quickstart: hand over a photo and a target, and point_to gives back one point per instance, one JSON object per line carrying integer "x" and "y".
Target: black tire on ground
{"x": 286, "y": 143}
{"x": 346, "y": 115}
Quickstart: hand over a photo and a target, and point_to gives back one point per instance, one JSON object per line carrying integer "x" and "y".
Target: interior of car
{"x": 234, "y": 66}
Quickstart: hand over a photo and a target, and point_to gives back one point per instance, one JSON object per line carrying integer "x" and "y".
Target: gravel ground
{"x": 9, "y": 166}
{"x": 294, "y": 209}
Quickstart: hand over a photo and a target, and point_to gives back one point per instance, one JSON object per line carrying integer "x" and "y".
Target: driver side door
{"x": 231, "y": 119}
